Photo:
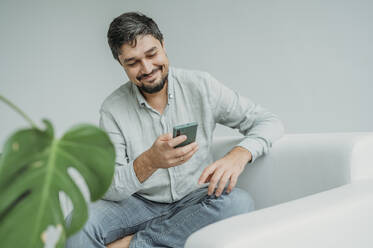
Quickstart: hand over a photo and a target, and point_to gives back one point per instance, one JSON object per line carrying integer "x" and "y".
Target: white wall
{"x": 308, "y": 61}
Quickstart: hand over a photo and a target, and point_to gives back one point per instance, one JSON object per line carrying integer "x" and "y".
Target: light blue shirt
{"x": 193, "y": 96}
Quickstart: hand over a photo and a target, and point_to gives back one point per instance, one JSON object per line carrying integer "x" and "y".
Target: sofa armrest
{"x": 341, "y": 217}
{"x": 299, "y": 165}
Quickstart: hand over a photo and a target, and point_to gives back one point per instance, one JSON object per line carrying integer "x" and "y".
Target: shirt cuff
{"x": 135, "y": 184}
{"x": 253, "y": 146}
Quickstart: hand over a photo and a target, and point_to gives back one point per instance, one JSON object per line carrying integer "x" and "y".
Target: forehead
{"x": 143, "y": 44}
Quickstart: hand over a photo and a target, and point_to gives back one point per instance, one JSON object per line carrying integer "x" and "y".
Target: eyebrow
{"x": 133, "y": 58}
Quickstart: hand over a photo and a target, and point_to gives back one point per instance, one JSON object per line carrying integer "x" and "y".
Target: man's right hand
{"x": 163, "y": 153}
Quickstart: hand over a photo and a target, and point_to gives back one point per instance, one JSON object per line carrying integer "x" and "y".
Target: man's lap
{"x": 109, "y": 221}
{"x": 193, "y": 212}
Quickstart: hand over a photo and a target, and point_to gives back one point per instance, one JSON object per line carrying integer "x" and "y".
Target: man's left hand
{"x": 227, "y": 168}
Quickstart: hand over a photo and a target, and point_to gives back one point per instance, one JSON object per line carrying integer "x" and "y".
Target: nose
{"x": 146, "y": 66}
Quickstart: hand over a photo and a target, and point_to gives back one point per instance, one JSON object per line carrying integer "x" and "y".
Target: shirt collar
{"x": 170, "y": 90}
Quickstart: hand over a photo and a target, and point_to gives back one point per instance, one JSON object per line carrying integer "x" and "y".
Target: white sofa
{"x": 311, "y": 190}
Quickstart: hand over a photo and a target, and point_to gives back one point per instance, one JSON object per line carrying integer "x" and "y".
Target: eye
{"x": 132, "y": 64}
{"x": 152, "y": 55}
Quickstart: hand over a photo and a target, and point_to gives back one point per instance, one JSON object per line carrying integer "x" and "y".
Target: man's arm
{"x": 163, "y": 154}
{"x": 143, "y": 167}
{"x": 125, "y": 181}
{"x": 260, "y": 127}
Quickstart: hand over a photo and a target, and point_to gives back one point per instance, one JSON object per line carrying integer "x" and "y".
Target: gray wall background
{"x": 308, "y": 61}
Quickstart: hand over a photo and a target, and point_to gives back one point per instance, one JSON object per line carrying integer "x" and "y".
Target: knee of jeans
{"x": 242, "y": 198}
{"x": 238, "y": 201}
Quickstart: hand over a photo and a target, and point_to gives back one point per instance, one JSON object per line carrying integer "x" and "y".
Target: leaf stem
{"x": 18, "y": 110}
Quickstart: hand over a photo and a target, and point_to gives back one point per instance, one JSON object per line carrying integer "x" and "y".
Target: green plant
{"x": 33, "y": 170}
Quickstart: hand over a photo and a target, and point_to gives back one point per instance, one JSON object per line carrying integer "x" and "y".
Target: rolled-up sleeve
{"x": 260, "y": 127}
{"x": 125, "y": 181}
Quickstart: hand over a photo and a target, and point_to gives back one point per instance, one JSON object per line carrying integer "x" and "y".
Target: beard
{"x": 150, "y": 89}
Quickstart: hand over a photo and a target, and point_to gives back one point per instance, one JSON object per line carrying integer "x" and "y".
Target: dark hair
{"x": 127, "y": 27}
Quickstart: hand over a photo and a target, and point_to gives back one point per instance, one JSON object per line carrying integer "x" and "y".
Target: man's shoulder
{"x": 189, "y": 75}
{"x": 194, "y": 80}
{"x": 117, "y": 97}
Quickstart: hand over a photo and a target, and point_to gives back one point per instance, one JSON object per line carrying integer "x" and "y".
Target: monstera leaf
{"x": 33, "y": 170}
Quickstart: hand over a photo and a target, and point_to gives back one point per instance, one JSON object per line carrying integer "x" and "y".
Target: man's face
{"x": 146, "y": 64}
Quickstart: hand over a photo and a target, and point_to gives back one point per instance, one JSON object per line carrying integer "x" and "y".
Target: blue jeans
{"x": 157, "y": 224}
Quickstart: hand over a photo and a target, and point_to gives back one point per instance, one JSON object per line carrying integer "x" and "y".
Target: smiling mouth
{"x": 149, "y": 76}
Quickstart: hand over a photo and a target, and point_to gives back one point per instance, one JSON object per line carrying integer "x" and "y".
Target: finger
{"x": 177, "y": 140}
{"x": 183, "y": 151}
{"x": 222, "y": 183}
{"x": 184, "y": 158}
{"x": 208, "y": 178}
{"x": 214, "y": 181}
{"x": 206, "y": 172}
{"x": 191, "y": 153}
{"x": 232, "y": 183}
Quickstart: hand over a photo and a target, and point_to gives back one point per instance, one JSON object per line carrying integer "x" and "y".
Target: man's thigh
{"x": 191, "y": 214}
{"x": 109, "y": 221}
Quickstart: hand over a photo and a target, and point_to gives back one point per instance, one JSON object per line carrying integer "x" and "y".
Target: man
{"x": 161, "y": 194}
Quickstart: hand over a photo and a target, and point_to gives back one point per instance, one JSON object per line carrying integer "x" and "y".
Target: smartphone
{"x": 189, "y": 129}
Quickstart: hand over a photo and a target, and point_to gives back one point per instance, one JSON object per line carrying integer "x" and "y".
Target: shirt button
{"x": 171, "y": 96}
